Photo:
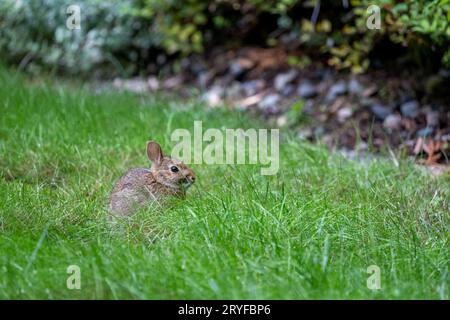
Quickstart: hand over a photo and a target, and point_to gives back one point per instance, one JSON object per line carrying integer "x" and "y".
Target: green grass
{"x": 309, "y": 232}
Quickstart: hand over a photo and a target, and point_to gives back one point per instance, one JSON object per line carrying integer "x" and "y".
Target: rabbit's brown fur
{"x": 141, "y": 186}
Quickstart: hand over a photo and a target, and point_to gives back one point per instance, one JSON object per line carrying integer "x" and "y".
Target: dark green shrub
{"x": 34, "y": 33}
{"x": 129, "y": 34}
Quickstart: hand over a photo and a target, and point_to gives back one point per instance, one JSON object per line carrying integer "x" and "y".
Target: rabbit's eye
{"x": 174, "y": 169}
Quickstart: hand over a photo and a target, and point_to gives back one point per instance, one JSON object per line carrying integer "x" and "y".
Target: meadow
{"x": 309, "y": 232}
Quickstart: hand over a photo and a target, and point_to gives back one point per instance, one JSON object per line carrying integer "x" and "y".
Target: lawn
{"x": 309, "y": 232}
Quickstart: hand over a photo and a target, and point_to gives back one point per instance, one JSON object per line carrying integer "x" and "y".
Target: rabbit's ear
{"x": 154, "y": 152}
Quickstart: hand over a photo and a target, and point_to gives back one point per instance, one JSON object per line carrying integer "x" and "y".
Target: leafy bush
{"x": 186, "y": 26}
{"x": 421, "y": 26}
{"x": 35, "y": 32}
{"x": 131, "y": 33}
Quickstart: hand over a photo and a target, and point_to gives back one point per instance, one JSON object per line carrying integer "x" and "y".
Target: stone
{"x": 305, "y": 134}
{"x": 153, "y": 83}
{"x": 392, "y": 122}
{"x": 251, "y": 87}
{"x": 308, "y": 108}
{"x": 307, "y": 90}
{"x": 323, "y": 74}
{"x": 344, "y": 113}
{"x": 355, "y": 87}
{"x": 136, "y": 85}
{"x": 213, "y": 97}
{"x": 236, "y": 69}
{"x": 425, "y": 132}
{"x": 283, "y": 79}
{"x": 173, "y": 82}
{"x": 204, "y": 78}
{"x": 234, "y": 91}
{"x": 367, "y": 102}
{"x": 370, "y": 91}
{"x": 282, "y": 121}
{"x": 287, "y": 90}
{"x": 337, "y": 89}
{"x": 319, "y": 131}
{"x": 410, "y": 109}
{"x": 381, "y": 111}
{"x": 432, "y": 118}
{"x": 270, "y": 101}
{"x": 239, "y": 66}
{"x": 446, "y": 137}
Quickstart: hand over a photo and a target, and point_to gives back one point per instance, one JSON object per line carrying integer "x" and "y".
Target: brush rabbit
{"x": 141, "y": 186}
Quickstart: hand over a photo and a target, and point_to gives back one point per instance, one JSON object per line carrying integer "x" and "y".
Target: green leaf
{"x": 401, "y": 7}
{"x": 298, "y": 106}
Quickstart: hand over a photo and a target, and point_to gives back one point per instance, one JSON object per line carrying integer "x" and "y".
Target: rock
{"x": 432, "y": 118}
{"x": 348, "y": 154}
{"x": 392, "y": 122}
{"x": 410, "y": 109}
{"x": 344, "y": 113}
{"x": 239, "y": 66}
{"x": 381, "y": 111}
{"x": 308, "y": 108}
{"x": 236, "y": 69}
{"x": 153, "y": 83}
{"x": 137, "y": 85}
{"x": 323, "y": 75}
{"x": 282, "y": 121}
{"x": 336, "y": 105}
{"x": 368, "y": 102}
{"x": 319, "y": 131}
{"x": 305, "y": 134}
{"x": 370, "y": 91}
{"x": 270, "y": 101}
{"x": 283, "y": 79}
{"x": 425, "y": 132}
{"x": 436, "y": 170}
{"x": 323, "y": 116}
{"x": 307, "y": 90}
{"x": 234, "y": 91}
{"x": 337, "y": 89}
{"x": 213, "y": 97}
{"x": 117, "y": 83}
{"x": 361, "y": 146}
{"x": 252, "y": 87}
{"x": 173, "y": 82}
{"x": 204, "y": 78}
{"x": 355, "y": 87}
{"x": 287, "y": 90}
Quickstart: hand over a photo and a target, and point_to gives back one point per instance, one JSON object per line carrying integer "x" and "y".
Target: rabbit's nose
{"x": 191, "y": 179}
